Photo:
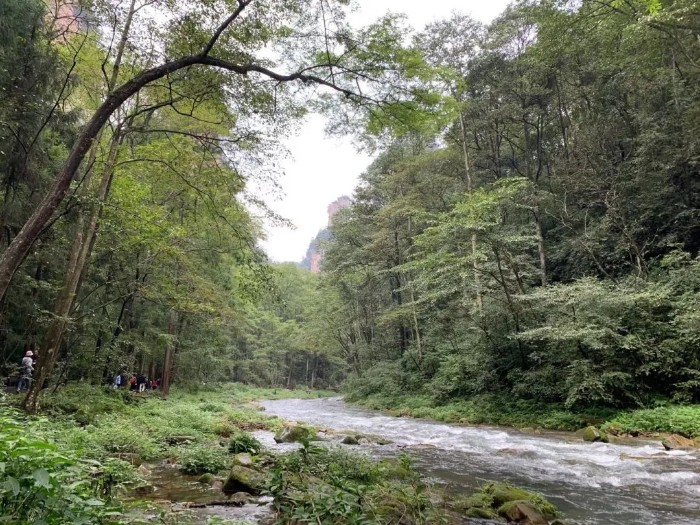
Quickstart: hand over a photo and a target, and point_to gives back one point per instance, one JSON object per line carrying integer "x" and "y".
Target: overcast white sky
{"x": 322, "y": 169}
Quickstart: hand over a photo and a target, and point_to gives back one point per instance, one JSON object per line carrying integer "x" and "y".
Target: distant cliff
{"x": 314, "y": 254}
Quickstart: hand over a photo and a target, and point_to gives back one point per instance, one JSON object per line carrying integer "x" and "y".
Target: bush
{"x": 244, "y": 442}
{"x": 684, "y": 420}
{"x": 43, "y": 484}
{"x": 84, "y": 402}
{"x": 202, "y": 459}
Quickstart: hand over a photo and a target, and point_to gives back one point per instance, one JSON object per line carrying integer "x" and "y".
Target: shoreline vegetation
{"x": 92, "y": 454}
{"x": 97, "y": 448}
{"x": 683, "y": 420}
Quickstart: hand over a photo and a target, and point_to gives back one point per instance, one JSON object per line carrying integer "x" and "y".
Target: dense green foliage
{"x": 542, "y": 247}
{"x": 129, "y": 231}
{"x": 62, "y": 473}
{"x": 327, "y": 486}
{"x": 43, "y": 483}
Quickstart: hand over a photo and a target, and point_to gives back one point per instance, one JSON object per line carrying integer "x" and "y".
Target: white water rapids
{"x": 592, "y": 483}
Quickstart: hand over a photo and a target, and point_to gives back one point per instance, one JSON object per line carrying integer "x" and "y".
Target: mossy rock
{"x": 243, "y": 479}
{"x": 590, "y": 434}
{"x": 502, "y": 493}
{"x": 293, "y": 434}
{"x": 206, "y": 479}
{"x": 478, "y": 499}
{"x": 350, "y": 440}
{"x": 522, "y": 512}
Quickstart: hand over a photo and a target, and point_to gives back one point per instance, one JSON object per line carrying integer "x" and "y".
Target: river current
{"x": 592, "y": 483}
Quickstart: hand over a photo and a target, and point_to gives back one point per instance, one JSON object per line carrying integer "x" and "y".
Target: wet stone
{"x": 243, "y": 459}
{"x": 676, "y": 442}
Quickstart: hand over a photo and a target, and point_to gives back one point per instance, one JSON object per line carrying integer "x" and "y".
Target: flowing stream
{"x": 592, "y": 483}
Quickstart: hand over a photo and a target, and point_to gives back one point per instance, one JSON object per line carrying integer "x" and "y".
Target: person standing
{"x": 141, "y": 382}
{"x": 26, "y": 369}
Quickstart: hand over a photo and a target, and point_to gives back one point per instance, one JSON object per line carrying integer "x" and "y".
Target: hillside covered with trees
{"x": 543, "y": 244}
{"x": 524, "y": 250}
{"x": 529, "y": 228}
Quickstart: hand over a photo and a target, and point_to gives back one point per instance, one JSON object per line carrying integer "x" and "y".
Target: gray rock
{"x": 243, "y": 459}
{"x": 243, "y": 479}
{"x": 293, "y": 434}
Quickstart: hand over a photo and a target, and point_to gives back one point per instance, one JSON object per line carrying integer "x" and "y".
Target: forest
{"x": 524, "y": 249}
{"x": 540, "y": 243}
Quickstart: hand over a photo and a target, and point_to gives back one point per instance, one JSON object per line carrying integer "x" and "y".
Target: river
{"x": 592, "y": 483}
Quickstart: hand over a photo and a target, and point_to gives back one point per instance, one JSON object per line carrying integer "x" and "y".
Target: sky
{"x": 321, "y": 169}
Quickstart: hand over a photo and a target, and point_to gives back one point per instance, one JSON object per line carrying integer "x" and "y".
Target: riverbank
{"x": 194, "y": 458}
{"x": 97, "y": 447}
{"x": 521, "y": 414}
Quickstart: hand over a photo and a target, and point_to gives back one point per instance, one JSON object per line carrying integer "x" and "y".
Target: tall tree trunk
{"x": 169, "y": 359}
{"x": 468, "y": 175}
{"x": 416, "y": 328}
{"x": 540, "y": 249}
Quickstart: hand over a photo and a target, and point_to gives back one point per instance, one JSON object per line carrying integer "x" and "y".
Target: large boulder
{"x": 522, "y": 513}
{"x": 243, "y": 479}
{"x": 676, "y": 442}
{"x": 293, "y": 434}
{"x": 592, "y": 434}
{"x": 498, "y": 495}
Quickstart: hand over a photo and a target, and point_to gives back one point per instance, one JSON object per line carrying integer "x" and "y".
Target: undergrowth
{"x": 485, "y": 410}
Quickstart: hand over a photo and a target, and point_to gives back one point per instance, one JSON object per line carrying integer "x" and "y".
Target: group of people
{"x": 135, "y": 382}
{"x": 26, "y": 369}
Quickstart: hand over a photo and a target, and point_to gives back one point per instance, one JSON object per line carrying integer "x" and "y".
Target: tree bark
{"x": 169, "y": 358}
{"x": 80, "y": 253}
{"x": 468, "y": 174}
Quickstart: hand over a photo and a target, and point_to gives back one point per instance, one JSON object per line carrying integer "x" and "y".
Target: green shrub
{"x": 684, "y": 420}
{"x": 43, "y": 484}
{"x": 201, "y": 459}
{"x": 84, "y": 402}
{"x": 244, "y": 442}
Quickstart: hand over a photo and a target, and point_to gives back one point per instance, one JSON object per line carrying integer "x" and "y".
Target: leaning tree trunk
{"x": 80, "y": 253}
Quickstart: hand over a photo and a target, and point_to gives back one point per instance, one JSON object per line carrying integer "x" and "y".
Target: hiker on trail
{"x": 132, "y": 382}
{"x": 26, "y": 369}
{"x": 117, "y": 381}
{"x": 154, "y": 384}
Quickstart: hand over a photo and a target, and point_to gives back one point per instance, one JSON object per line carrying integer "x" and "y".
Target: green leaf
{"x": 11, "y": 485}
{"x": 42, "y": 478}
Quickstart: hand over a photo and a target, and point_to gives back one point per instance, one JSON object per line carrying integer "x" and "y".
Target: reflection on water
{"x": 593, "y": 483}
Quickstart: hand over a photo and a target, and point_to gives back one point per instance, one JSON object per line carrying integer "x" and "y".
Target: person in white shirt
{"x": 26, "y": 369}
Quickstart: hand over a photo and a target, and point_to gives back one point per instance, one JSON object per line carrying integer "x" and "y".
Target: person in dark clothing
{"x": 141, "y": 382}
